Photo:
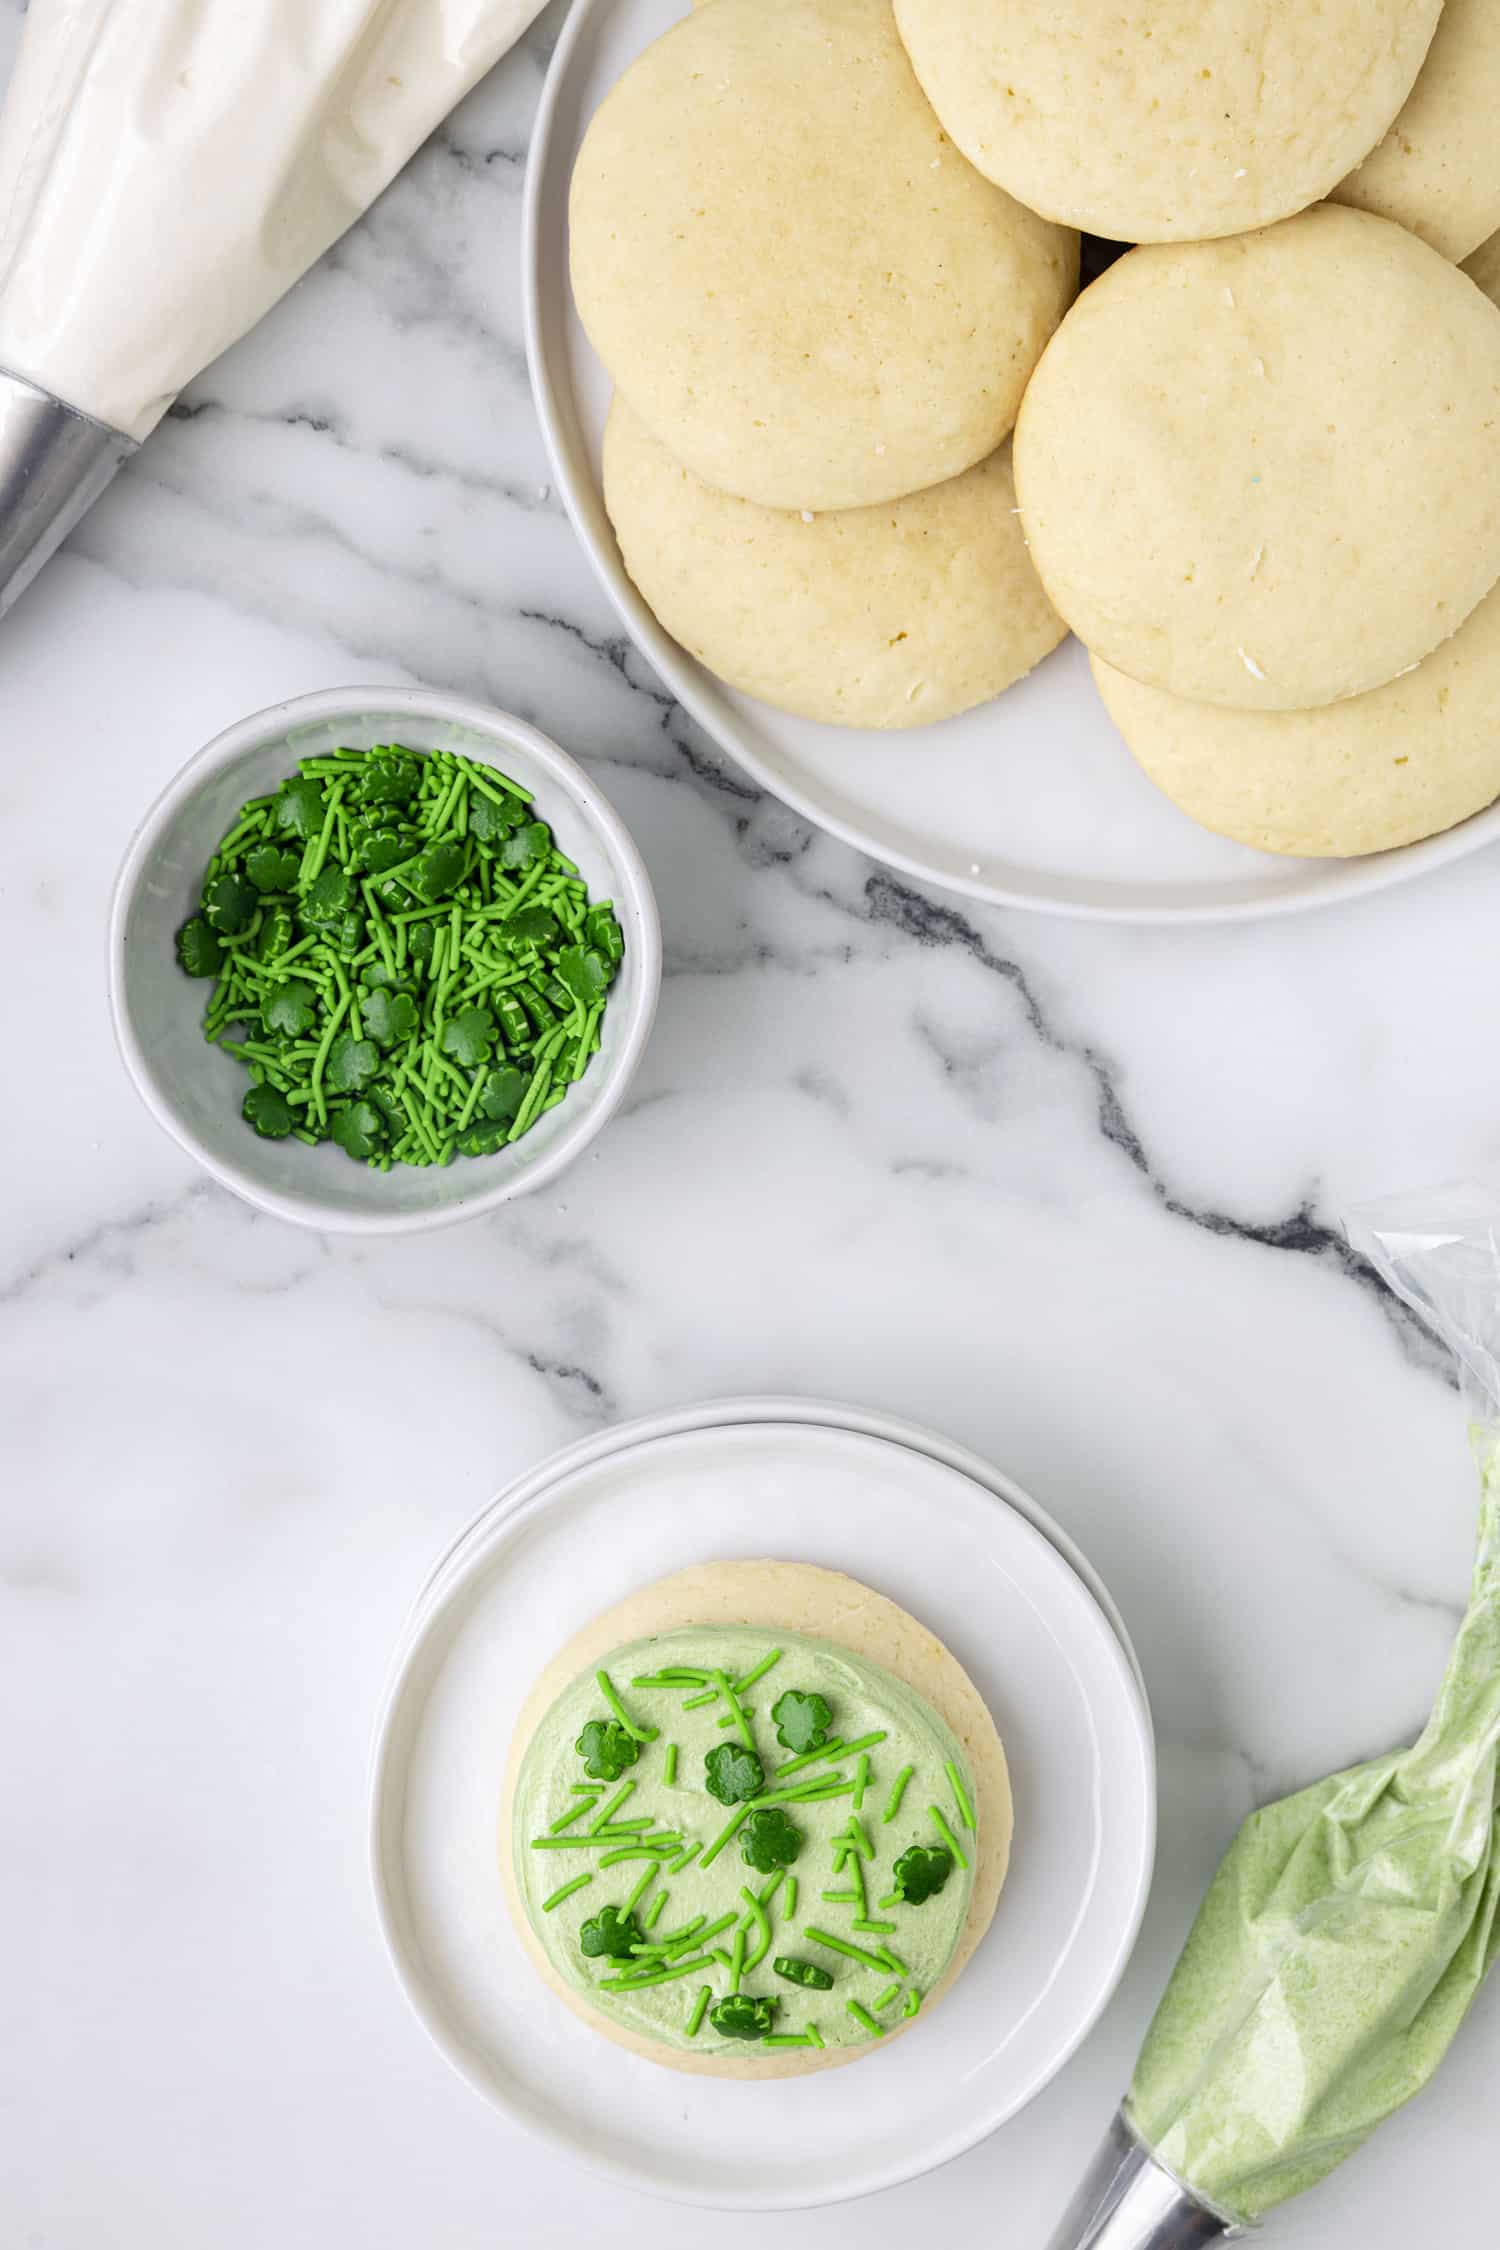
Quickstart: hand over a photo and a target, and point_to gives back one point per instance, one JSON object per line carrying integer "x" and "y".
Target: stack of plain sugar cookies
{"x": 828, "y": 251}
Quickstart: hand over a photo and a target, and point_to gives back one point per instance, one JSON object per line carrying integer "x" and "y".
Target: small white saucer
{"x": 784, "y": 1407}
{"x": 1011, "y": 1608}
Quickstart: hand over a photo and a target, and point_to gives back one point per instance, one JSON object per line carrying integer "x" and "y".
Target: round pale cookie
{"x": 1438, "y": 169}
{"x": 791, "y": 274}
{"x": 1407, "y": 760}
{"x": 1266, "y": 472}
{"x": 891, "y": 616}
{"x": 824, "y": 1605}
{"x": 1484, "y": 268}
{"x": 1166, "y": 120}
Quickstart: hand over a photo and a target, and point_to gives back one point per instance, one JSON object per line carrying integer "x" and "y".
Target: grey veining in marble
{"x": 1070, "y": 1193}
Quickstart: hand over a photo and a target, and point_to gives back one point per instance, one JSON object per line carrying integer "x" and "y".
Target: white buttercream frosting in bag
{"x": 169, "y": 167}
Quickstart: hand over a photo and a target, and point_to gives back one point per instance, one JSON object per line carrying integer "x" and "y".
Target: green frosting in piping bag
{"x": 1350, "y": 1926}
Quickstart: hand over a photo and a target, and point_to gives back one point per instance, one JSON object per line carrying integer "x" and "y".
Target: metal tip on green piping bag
{"x": 1350, "y": 1926}
{"x": 54, "y": 463}
{"x": 1127, "y": 2201}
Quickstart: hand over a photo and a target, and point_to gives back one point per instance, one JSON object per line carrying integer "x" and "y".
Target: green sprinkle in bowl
{"x": 195, "y": 1090}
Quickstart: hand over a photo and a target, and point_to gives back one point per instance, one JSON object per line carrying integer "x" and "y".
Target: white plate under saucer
{"x": 1014, "y": 1611}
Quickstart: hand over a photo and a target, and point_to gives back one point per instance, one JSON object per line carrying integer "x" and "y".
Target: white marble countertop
{"x": 1068, "y": 1193}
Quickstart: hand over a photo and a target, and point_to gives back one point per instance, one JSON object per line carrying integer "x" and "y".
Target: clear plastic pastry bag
{"x": 1350, "y": 1926}
{"x": 168, "y": 168}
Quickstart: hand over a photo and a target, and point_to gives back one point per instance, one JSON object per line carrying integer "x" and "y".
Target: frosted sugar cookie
{"x": 792, "y": 275}
{"x": 1266, "y": 472}
{"x": 755, "y": 1819}
{"x": 888, "y": 616}
{"x": 1415, "y": 756}
{"x": 1438, "y": 169}
{"x": 1166, "y": 120}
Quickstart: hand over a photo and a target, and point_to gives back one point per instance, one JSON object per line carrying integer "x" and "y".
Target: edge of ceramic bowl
{"x": 497, "y": 727}
{"x": 532, "y": 1491}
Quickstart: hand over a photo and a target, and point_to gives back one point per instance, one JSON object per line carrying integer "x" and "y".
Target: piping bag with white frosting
{"x": 1350, "y": 1926}
{"x": 168, "y": 168}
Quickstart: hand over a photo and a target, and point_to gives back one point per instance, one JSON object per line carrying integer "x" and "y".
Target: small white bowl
{"x": 195, "y": 1091}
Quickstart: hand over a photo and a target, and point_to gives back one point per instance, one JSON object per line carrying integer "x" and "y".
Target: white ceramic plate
{"x": 817, "y": 1413}
{"x": 1032, "y": 801}
{"x": 1041, "y": 1651}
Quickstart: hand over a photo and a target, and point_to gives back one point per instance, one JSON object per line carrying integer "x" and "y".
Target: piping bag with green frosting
{"x": 1350, "y": 1926}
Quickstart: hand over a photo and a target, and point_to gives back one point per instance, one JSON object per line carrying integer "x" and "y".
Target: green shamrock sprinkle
{"x": 199, "y": 952}
{"x": 805, "y": 1973}
{"x": 439, "y": 871}
{"x": 352, "y": 1063}
{"x": 488, "y": 821}
{"x": 390, "y": 1015}
{"x": 229, "y": 903}
{"x": 921, "y": 1872}
{"x": 737, "y": 2016}
{"x": 483, "y": 1137}
{"x": 732, "y": 1773}
{"x": 388, "y": 777}
{"x": 504, "y": 1092}
{"x": 270, "y": 869}
{"x": 606, "y": 1749}
{"x": 402, "y": 953}
{"x": 584, "y": 974}
{"x": 524, "y": 845}
{"x": 299, "y": 805}
{"x": 275, "y": 933}
{"x": 610, "y": 1935}
{"x": 533, "y": 926}
{"x": 802, "y": 1722}
{"x": 768, "y": 1840}
{"x": 329, "y": 896}
{"x": 469, "y": 1036}
{"x": 602, "y": 932}
{"x": 269, "y": 1112}
{"x": 377, "y": 849}
{"x": 358, "y": 1128}
{"x": 291, "y": 1009}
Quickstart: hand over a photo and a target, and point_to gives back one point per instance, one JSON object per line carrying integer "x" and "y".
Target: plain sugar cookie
{"x": 1167, "y": 120}
{"x": 1409, "y": 759}
{"x": 1438, "y": 169}
{"x": 890, "y": 616}
{"x": 1266, "y": 472}
{"x": 791, "y": 274}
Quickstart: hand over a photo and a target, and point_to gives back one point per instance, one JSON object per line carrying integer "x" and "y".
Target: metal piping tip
{"x": 1127, "y": 2201}
{"x": 54, "y": 463}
